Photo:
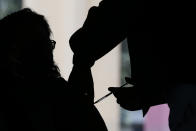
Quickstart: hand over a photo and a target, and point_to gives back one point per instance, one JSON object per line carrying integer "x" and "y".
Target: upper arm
{"x": 104, "y": 28}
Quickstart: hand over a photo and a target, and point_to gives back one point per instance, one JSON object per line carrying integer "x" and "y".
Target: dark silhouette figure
{"x": 161, "y": 41}
{"x": 33, "y": 95}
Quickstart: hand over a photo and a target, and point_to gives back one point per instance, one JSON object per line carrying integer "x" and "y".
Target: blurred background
{"x": 65, "y": 17}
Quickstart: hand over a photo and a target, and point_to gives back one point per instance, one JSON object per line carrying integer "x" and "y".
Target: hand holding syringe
{"x": 128, "y": 81}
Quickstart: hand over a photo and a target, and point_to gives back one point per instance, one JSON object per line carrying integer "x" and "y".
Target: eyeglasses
{"x": 53, "y": 43}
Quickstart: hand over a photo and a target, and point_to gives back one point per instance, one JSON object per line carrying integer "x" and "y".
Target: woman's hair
{"x": 25, "y": 46}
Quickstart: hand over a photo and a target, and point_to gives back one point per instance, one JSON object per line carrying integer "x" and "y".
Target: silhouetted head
{"x": 26, "y": 47}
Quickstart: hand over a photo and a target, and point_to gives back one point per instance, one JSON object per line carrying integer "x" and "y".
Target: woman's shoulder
{"x": 60, "y": 81}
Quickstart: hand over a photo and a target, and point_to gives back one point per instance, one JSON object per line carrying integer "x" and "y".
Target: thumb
{"x": 113, "y": 89}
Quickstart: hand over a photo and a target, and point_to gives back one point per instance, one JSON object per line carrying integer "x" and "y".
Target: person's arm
{"x": 105, "y": 27}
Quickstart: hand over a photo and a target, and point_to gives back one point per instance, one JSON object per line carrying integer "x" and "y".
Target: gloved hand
{"x": 81, "y": 81}
{"x": 128, "y": 97}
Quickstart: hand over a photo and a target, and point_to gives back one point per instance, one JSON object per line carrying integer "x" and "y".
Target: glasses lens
{"x": 53, "y": 43}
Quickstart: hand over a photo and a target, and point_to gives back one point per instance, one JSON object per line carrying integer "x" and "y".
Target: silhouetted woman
{"x": 33, "y": 95}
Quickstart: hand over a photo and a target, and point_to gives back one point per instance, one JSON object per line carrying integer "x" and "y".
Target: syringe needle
{"x": 108, "y": 94}
{"x": 103, "y": 97}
